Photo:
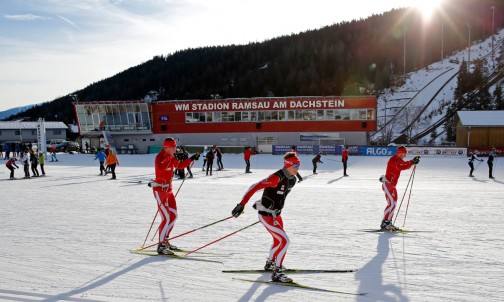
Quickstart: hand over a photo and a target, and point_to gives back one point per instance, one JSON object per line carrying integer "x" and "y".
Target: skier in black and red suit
{"x": 276, "y": 188}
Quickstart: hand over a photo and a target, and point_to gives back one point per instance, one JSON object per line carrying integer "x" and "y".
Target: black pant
{"x": 219, "y": 163}
{"x": 344, "y": 167}
{"x": 42, "y": 169}
{"x": 314, "y": 167}
{"x": 11, "y": 171}
{"x": 112, "y": 169}
{"x": 490, "y": 170}
{"x": 472, "y": 167}
{"x": 209, "y": 167}
{"x": 247, "y": 168}
{"x": 34, "y": 170}
{"x": 102, "y": 168}
{"x": 27, "y": 170}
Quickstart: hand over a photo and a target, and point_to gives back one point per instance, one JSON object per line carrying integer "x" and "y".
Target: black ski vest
{"x": 273, "y": 198}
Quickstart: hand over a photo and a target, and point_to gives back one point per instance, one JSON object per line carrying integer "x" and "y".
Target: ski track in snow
{"x": 68, "y": 236}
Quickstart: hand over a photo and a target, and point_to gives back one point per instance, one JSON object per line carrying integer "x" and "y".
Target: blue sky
{"x": 50, "y": 48}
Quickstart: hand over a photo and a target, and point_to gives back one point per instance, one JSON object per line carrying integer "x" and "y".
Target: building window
{"x": 17, "y": 132}
{"x": 57, "y": 132}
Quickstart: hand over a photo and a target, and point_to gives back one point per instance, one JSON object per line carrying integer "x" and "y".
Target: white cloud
{"x": 25, "y": 17}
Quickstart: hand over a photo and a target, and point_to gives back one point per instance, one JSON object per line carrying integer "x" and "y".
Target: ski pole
{"x": 221, "y": 238}
{"x": 400, "y": 204}
{"x": 188, "y": 232}
{"x": 152, "y": 223}
{"x": 409, "y": 197}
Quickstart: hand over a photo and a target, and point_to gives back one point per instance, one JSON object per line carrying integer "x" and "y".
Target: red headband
{"x": 168, "y": 144}
{"x": 291, "y": 161}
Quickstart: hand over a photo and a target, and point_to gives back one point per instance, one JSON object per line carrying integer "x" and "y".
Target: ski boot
{"x": 270, "y": 265}
{"x": 387, "y": 225}
{"x": 164, "y": 250}
{"x": 279, "y": 276}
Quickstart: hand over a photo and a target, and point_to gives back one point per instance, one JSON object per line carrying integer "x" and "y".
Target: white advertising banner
{"x": 437, "y": 151}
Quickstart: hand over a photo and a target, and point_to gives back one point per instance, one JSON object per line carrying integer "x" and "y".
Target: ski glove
{"x": 416, "y": 159}
{"x": 195, "y": 156}
{"x": 237, "y": 210}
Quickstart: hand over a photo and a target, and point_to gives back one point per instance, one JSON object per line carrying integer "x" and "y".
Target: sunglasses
{"x": 295, "y": 165}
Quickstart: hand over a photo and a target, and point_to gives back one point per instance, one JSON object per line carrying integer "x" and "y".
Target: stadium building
{"x": 259, "y": 122}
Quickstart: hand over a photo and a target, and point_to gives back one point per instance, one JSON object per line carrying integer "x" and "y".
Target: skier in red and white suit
{"x": 395, "y": 165}
{"x": 165, "y": 164}
{"x": 276, "y": 188}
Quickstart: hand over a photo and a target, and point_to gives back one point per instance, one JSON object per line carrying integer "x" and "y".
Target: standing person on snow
{"x": 52, "y": 150}
{"x": 490, "y": 162}
{"x": 246, "y": 156}
{"x": 34, "y": 163}
{"x": 25, "y": 159}
{"x": 101, "y": 158}
{"x": 165, "y": 164}
{"x": 9, "y": 164}
{"x": 395, "y": 165}
{"x": 41, "y": 159}
{"x": 471, "y": 160}
{"x": 344, "y": 159}
{"x": 209, "y": 159}
{"x": 204, "y": 153}
{"x": 316, "y": 160}
{"x": 218, "y": 153}
{"x": 276, "y": 188}
{"x": 112, "y": 161}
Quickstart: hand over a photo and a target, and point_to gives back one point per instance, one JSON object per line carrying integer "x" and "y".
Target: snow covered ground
{"x": 67, "y": 236}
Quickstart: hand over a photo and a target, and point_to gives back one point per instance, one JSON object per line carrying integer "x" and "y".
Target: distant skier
{"x": 276, "y": 188}
{"x": 112, "y": 162}
{"x": 316, "y": 160}
{"x": 471, "y": 160}
{"x": 218, "y": 154}
{"x": 204, "y": 153}
{"x": 165, "y": 164}
{"x": 344, "y": 159}
{"x": 11, "y": 165}
{"x": 395, "y": 165}
{"x": 101, "y": 157}
{"x": 246, "y": 156}
{"x": 490, "y": 162}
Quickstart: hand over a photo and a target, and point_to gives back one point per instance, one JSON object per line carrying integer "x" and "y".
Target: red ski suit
{"x": 394, "y": 167}
{"x": 165, "y": 164}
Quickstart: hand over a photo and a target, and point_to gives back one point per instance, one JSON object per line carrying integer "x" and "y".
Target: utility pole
{"x": 442, "y": 38}
{"x": 404, "y": 61}
{"x": 493, "y": 19}
{"x": 469, "y": 54}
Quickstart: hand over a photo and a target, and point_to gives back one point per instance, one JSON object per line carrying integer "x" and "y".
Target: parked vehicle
{"x": 54, "y": 142}
{"x": 67, "y": 147}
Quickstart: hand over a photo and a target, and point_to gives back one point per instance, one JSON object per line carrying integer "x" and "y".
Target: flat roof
{"x": 494, "y": 118}
{"x": 31, "y": 125}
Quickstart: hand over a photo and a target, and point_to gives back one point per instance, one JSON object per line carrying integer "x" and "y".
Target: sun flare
{"x": 427, "y": 7}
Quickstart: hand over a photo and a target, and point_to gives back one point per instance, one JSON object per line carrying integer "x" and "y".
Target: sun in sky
{"x": 427, "y": 7}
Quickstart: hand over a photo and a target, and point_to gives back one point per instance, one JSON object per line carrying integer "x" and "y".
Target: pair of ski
{"x": 178, "y": 254}
{"x": 399, "y": 231}
{"x": 295, "y": 284}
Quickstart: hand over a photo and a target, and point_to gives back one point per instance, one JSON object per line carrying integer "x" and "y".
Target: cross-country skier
{"x": 246, "y": 156}
{"x": 490, "y": 162}
{"x": 316, "y": 160}
{"x": 165, "y": 165}
{"x": 276, "y": 188}
{"x": 344, "y": 160}
{"x": 471, "y": 160}
{"x": 395, "y": 165}
{"x": 10, "y": 164}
